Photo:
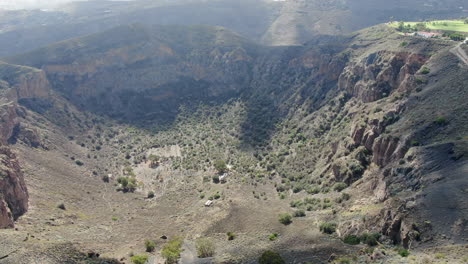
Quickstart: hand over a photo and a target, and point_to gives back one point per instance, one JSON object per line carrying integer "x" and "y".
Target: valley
{"x": 142, "y": 142}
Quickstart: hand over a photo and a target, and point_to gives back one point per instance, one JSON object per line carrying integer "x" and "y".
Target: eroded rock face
{"x": 13, "y": 192}
{"x": 379, "y": 74}
{"x": 8, "y": 120}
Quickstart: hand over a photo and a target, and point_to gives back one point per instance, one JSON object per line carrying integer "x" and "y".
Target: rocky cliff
{"x": 22, "y": 85}
{"x": 13, "y": 192}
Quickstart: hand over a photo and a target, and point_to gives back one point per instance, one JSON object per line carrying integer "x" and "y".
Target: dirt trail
{"x": 460, "y": 53}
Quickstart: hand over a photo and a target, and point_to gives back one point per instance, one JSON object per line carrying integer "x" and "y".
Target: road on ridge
{"x": 460, "y": 53}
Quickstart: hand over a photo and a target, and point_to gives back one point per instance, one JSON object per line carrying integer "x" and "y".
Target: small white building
{"x": 209, "y": 203}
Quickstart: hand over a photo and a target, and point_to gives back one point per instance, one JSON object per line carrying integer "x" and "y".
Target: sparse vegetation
{"x": 139, "y": 259}
{"x": 128, "y": 184}
{"x": 61, "y": 206}
{"x": 339, "y": 186}
{"x": 441, "y": 121}
{"x": 172, "y": 250}
{"x": 205, "y": 248}
{"x": 299, "y": 213}
{"x": 150, "y": 245}
{"x": 273, "y": 237}
{"x": 371, "y": 239}
{"x": 271, "y": 257}
{"x": 285, "y": 219}
{"x": 105, "y": 178}
{"x": 425, "y": 70}
{"x": 230, "y": 236}
{"x": 403, "y": 252}
{"x": 352, "y": 239}
{"x": 327, "y": 227}
{"x": 220, "y": 166}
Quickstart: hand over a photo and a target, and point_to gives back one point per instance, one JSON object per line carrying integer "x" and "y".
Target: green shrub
{"x": 371, "y": 239}
{"x": 285, "y": 219}
{"x": 313, "y": 190}
{"x": 339, "y": 186}
{"x": 404, "y": 44}
{"x": 171, "y": 251}
{"x": 425, "y": 70}
{"x": 150, "y": 194}
{"x": 61, "y": 206}
{"x": 273, "y": 236}
{"x": 352, "y": 240}
{"x": 220, "y": 166}
{"x": 294, "y": 204}
{"x": 403, "y": 252}
{"x": 345, "y": 196}
{"x": 215, "y": 178}
{"x": 441, "y": 121}
{"x": 139, "y": 259}
{"x": 205, "y": 248}
{"x": 299, "y": 213}
{"x": 230, "y": 235}
{"x": 327, "y": 228}
{"x": 270, "y": 257}
{"x": 79, "y": 162}
{"x": 105, "y": 178}
{"x": 150, "y": 245}
{"x": 457, "y": 36}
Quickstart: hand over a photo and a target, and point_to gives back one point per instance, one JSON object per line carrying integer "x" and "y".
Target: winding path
{"x": 460, "y": 53}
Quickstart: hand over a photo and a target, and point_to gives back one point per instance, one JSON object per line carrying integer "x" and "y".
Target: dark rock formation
{"x": 13, "y": 192}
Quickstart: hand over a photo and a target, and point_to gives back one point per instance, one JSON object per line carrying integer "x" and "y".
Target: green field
{"x": 445, "y": 25}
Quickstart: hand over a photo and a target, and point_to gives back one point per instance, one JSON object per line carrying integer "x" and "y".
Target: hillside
{"x": 268, "y": 22}
{"x": 359, "y": 132}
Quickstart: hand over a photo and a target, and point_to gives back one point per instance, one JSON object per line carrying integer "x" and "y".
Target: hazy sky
{"x": 19, "y": 4}
{"x": 28, "y": 4}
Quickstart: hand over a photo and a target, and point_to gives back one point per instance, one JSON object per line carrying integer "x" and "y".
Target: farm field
{"x": 446, "y": 25}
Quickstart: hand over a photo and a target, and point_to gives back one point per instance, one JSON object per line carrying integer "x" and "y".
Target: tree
{"x": 271, "y": 257}
{"x": 220, "y": 166}
{"x": 466, "y": 21}
{"x": 171, "y": 251}
{"x": 457, "y": 36}
{"x": 205, "y": 248}
{"x": 401, "y": 26}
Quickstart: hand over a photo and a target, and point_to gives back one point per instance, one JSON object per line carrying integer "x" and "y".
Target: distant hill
{"x": 267, "y": 22}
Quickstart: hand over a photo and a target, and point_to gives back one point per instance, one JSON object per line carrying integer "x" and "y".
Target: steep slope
{"x": 137, "y": 72}
{"x": 366, "y": 131}
{"x": 18, "y": 84}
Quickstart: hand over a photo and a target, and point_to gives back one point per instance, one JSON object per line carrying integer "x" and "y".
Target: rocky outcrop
{"x": 384, "y": 148}
{"x": 13, "y": 192}
{"x": 379, "y": 74}
{"x": 8, "y": 121}
{"x": 25, "y": 82}
{"x": 27, "y": 135}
